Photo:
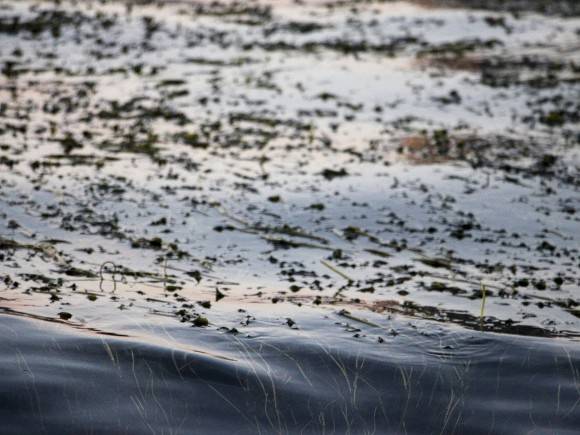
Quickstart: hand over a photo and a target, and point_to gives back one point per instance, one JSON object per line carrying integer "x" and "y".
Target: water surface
{"x": 333, "y": 217}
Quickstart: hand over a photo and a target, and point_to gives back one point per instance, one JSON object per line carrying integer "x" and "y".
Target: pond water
{"x": 283, "y": 217}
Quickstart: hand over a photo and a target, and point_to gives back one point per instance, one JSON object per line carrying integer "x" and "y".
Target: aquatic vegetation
{"x": 328, "y": 207}
{"x": 483, "y": 296}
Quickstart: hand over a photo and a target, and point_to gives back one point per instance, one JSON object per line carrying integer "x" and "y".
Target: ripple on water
{"x": 55, "y": 381}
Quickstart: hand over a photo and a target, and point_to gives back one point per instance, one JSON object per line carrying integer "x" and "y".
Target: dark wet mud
{"x": 352, "y": 217}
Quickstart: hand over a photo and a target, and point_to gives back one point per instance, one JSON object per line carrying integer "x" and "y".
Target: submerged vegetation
{"x": 376, "y": 175}
{"x": 158, "y": 152}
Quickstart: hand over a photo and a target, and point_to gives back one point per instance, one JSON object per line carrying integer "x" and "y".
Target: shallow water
{"x": 270, "y": 218}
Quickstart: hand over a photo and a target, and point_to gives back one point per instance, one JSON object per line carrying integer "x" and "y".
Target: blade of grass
{"x": 483, "y": 292}
{"x": 338, "y": 272}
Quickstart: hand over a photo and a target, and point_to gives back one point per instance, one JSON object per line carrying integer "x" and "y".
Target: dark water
{"x": 58, "y": 382}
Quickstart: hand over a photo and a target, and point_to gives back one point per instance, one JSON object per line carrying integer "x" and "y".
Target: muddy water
{"x": 330, "y": 217}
